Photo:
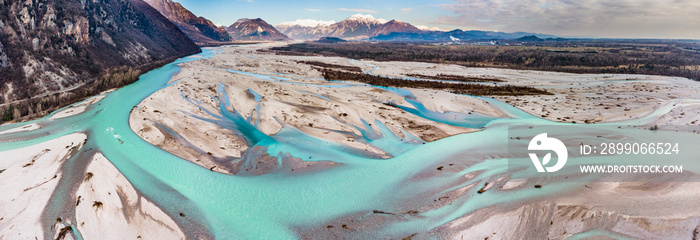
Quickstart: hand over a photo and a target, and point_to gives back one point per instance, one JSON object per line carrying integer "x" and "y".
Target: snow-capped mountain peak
{"x": 427, "y": 28}
{"x": 307, "y": 23}
{"x": 358, "y": 26}
{"x": 241, "y": 20}
{"x": 366, "y": 18}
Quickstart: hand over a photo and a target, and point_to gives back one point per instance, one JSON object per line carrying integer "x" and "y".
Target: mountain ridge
{"x": 366, "y": 27}
{"x": 254, "y": 30}
{"x": 199, "y": 29}
{"x": 358, "y": 26}
{"x": 453, "y": 35}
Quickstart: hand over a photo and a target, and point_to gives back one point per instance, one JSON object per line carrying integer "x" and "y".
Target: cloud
{"x": 602, "y": 18}
{"x": 406, "y": 10}
{"x": 308, "y": 22}
{"x": 312, "y": 10}
{"x": 357, "y": 10}
{"x": 426, "y": 28}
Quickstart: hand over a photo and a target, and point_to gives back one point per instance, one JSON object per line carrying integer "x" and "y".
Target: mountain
{"x": 454, "y": 35}
{"x": 364, "y": 26}
{"x": 394, "y": 26}
{"x": 55, "y": 46}
{"x": 330, "y": 40}
{"x": 303, "y": 28}
{"x": 199, "y": 29}
{"x": 296, "y": 31}
{"x": 358, "y": 26}
{"x": 530, "y": 38}
{"x": 254, "y": 30}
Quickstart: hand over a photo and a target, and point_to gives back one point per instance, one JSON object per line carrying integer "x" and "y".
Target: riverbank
{"x": 41, "y": 105}
{"x": 107, "y": 204}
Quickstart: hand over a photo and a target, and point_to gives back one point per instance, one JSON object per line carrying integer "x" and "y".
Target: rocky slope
{"x": 47, "y": 47}
{"x": 199, "y": 29}
{"x": 254, "y": 30}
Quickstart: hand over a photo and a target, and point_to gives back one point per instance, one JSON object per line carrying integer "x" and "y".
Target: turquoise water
{"x": 276, "y": 205}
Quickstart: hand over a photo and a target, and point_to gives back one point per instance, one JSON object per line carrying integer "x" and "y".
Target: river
{"x": 278, "y": 205}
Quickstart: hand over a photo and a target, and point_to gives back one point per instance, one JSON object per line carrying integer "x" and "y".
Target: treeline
{"x": 664, "y": 57}
{"x": 460, "y": 88}
{"x": 454, "y": 78}
{"x": 29, "y": 108}
{"x": 330, "y": 65}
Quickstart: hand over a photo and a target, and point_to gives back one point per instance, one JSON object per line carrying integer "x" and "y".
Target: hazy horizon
{"x": 676, "y": 19}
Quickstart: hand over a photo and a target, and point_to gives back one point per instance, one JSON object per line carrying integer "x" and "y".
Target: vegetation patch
{"x": 459, "y": 88}
{"x": 64, "y": 232}
{"x": 87, "y": 177}
{"x": 458, "y": 78}
{"x": 330, "y": 65}
{"x": 679, "y": 58}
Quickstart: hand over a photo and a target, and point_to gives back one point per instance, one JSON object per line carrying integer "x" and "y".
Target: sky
{"x": 678, "y": 19}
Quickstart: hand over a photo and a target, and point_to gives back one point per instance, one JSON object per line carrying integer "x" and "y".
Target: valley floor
{"x": 274, "y": 90}
{"x": 339, "y": 159}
